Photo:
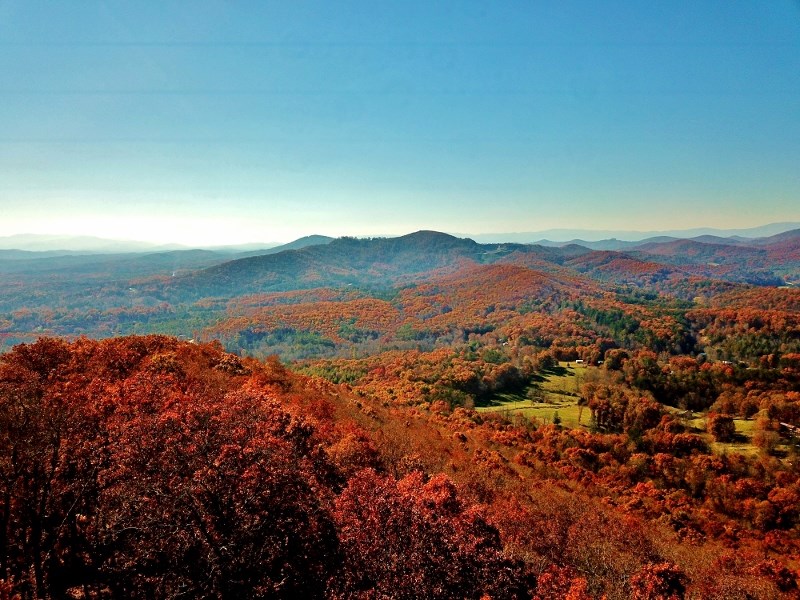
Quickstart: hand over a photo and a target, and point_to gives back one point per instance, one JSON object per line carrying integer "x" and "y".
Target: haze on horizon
{"x": 213, "y": 123}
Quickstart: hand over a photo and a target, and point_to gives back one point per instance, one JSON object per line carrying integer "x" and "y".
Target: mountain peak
{"x": 427, "y": 237}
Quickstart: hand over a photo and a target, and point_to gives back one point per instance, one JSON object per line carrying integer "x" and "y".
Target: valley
{"x": 560, "y": 421}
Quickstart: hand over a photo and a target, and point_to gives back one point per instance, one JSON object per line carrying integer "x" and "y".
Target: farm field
{"x": 554, "y": 397}
{"x": 745, "y": 428}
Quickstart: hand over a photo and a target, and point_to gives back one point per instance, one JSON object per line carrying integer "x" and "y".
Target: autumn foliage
{"x": 150, "y": 468}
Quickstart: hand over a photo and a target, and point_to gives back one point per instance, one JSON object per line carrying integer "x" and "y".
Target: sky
{"x": 208, "y": 123}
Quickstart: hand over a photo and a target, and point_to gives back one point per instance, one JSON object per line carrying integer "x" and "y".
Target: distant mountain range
{"x": 320, "y": 261}
{"x": 620, "y": 239}
{"x": 202, "y": 283}
{"x": 79, "y": 244}
{"x": 29, "y": 247}
{"x": 82, "y": 244}
{"x": 62, "y": 245}
{"x": 387, "y": 262}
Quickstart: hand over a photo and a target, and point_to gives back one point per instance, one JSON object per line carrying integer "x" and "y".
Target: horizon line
{"x": 568, "y": 234}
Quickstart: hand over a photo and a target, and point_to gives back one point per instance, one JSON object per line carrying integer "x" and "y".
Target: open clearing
{"x": 555, "y": 393}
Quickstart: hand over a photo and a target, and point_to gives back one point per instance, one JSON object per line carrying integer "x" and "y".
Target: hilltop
{"x": 189, "y": 292}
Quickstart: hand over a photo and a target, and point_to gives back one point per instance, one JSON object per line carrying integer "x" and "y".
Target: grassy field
{"x": 558, "y": 394}
{"x": 744, "y": 432}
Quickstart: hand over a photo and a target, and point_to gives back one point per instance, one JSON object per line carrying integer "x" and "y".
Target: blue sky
{"x": 225, "y": 122}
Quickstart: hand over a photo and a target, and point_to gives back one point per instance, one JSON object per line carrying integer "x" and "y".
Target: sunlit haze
{"x": 222, "y": 123}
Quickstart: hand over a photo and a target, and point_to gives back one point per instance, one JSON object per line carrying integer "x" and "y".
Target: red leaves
{"x": 662, "y": 581}
{"x": 225, "y": 482}
{"x": 145, "y": 467}
{"x": 402, "y": 537}
{"x": 125, "y": 480}
{"x": 561, "y": 583}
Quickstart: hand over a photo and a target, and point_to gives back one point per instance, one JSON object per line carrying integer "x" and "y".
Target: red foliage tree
{"x": 662, "y": 581}
{"x": 721, "y": 427}
{"x": 411, "y": 539}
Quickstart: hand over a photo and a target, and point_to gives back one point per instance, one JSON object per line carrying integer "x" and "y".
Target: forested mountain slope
{"x": 147, "y": 467}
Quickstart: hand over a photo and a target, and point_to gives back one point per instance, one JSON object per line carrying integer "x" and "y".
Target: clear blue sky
{"x": 219, "y": 122}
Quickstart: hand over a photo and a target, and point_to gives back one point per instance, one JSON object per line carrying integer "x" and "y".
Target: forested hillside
{"x": 148, "y": 467}
{"x": 198, "y": 294}
{"x": 422, "y": 416}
